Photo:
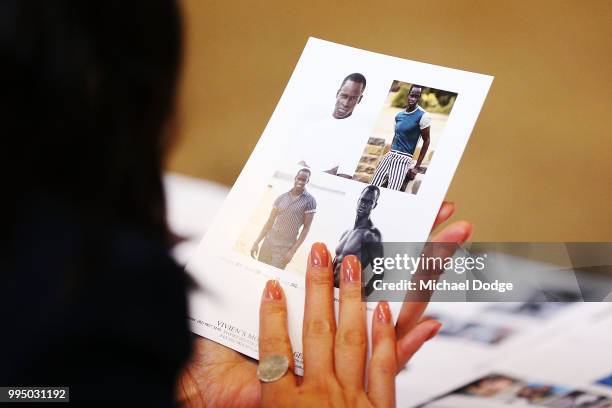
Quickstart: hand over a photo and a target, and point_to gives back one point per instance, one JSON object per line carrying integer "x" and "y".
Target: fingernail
{"x": 383, "y": 313}
{"x": 448, "y": 209}
{"x": 469, "y": 233}
{"x": 434, "y": 331}
{"x": 319, "y": 256}
{"x": 273, "y": 290}
{"x": 351, "y": 269}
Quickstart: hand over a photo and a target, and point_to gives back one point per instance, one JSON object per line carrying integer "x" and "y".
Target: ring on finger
{"x": 272, "y": 368}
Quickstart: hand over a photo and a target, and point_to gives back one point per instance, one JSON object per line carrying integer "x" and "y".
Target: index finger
{"x": 319, "y": 320}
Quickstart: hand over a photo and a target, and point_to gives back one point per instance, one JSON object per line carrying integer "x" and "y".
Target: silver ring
{"x": 272, "y": 368}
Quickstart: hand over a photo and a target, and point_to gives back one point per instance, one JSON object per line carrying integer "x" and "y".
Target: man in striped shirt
{"x": 292, "y": 210}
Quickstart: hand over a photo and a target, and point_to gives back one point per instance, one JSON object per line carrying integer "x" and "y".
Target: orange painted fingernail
{"x": 434, "y": 331}
{"x": 351, "y": 269}
{"x": 273, "y": 290}
{"x": 447, "y": 208}
{"x": 469, "y": 233}
{"x": 319, "y": 257}
{"x": 383, "y": 313}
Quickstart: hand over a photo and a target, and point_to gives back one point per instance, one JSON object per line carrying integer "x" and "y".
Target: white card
{"x": 327, "y": 123}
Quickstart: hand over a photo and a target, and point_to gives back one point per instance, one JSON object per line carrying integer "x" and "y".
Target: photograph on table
{"x": 473, "y": 330}
{"x": 405, "y": 136}
{"x": 488, "y": 391}
{"x": 535, "y": 394}
{"x": 530, "y": 309}
{"x": 493, "y": 385}
{"x": 579, "y": 399}
{"x": 607, "y": 381}
{"x": 499, "y": 390}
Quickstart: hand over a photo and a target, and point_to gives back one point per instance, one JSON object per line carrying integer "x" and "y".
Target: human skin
{"x": 347, "y": 97}
{"x": 414, "y": 96}
{"x": 334, "y": 352}
{"x": 364, "y": 240}
{"x": 220, "y": 376}
{"x": 299, "y": 184}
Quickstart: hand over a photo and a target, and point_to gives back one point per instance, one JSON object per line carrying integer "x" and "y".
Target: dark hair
{"x": 416, "y": 86}
{"x": 372, "y": 188}
{"x": 355, "y": 77}
{"x": 305, "y": 170}
{"x": 92, "y": 88}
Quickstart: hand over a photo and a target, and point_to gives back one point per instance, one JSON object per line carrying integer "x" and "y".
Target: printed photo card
{"x": 360, "y": 150}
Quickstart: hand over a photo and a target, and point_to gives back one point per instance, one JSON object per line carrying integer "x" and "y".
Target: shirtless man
{"x": 363, "y": 241}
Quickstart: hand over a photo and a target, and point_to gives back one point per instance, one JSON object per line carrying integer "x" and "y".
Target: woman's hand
{"x": 412, "y": 329}
{"x": 334, "y": 354}
{"x": 218, "y": 376}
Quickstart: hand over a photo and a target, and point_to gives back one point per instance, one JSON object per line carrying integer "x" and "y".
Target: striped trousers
{"x": 393, "y": 168}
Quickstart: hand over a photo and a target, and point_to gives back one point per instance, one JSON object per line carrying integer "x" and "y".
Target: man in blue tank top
{"x": 410, "y": 125}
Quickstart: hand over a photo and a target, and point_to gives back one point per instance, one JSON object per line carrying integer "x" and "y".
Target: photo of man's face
{"x": 414, "y": 96}
{"x": 367, "y": 202}
{"x": 347, "y": 97}
{"x": 301, "y": 179}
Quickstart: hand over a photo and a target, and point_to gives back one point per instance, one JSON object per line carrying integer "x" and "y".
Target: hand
{"x": 412, "y": 330}
{"x": 217, "y": 376}
{"x": 214, "y": 368}
{"x": 334, "y": 355}
{"x": 413, "y": 172}
{"x": 255, "y": 250}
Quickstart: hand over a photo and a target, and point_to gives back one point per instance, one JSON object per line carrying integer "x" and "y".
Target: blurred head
{"x": 301, "y": 179}
{"x": 367, "y": 200}
{"x": 533, "y": 392}
{"x": 414, "y": 96}
{"x": 92, "y": 91}
{"x": 349, "y": 95}
{"x": 490, "y": 386}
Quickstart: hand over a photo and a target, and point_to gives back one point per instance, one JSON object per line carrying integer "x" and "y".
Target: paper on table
{"x": 561, "y": 350}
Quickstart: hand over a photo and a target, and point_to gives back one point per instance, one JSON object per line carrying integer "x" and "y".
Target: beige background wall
{"x": 539, "y": 164}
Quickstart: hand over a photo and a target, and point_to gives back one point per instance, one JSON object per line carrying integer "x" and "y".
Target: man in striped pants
{"x": 410, "y": 125}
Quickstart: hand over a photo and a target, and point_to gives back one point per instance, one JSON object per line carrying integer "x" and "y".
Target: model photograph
{"x": 400, "y": 149}
{"x": 331, "y": 139}
{"x": 364, "y": 240}
{"x": 287, "y": 225}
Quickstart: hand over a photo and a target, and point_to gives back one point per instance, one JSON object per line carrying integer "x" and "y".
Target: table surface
{"x": 579, "y": 333}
